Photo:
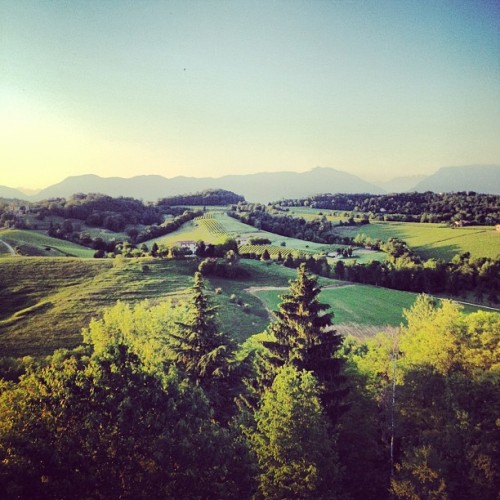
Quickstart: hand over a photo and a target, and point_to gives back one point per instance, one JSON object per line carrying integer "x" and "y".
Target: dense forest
{"x": 115, "y": 214}
{"x": 209, "y": 197}
{"x": 411, "y": 207}
{"x": 158, "y": 402}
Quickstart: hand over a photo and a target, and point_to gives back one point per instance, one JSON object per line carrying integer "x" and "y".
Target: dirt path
{"x": 254, "y": 289}
{"x": 477, "y": 305}
{"x": 11, "y": 250}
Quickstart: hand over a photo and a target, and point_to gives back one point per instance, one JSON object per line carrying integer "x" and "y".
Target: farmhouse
{"x": 188, "y": 244}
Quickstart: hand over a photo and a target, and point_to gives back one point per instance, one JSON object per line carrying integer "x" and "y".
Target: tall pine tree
{"x": 304, "y": 337}
{"x": 204, "y": 353}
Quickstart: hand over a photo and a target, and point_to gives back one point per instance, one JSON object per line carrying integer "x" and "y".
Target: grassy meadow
{"x": 37, "y": 243}
{"x": 435, "y": 240}
{"x": 360, "y": 310}
{"x": 46, "y": 302}
{"x": 438, "y": 241}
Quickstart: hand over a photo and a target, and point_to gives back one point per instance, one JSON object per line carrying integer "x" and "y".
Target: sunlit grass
{"x": 37, "y": 243}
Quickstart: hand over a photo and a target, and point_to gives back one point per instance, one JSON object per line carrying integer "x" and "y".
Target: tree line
{"x": 160, "y": 403}
{"x": 112, "y": 213}
{"x": 476, "y": 208}
{"x": 208, "y": 197}
{"x": 404, "y": 270}
{"x": 318, "y": 230}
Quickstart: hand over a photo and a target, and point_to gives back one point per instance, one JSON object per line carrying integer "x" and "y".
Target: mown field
{"x": 435, "y": 240}
{"x": 37, "y": 243}
{"x": 45, "y": 302}
{"x": 360, "y": 310}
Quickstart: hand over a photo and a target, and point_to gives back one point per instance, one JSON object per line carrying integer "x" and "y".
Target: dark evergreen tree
{"x": 205, "y": 353}
{"x": 304, "y": 337}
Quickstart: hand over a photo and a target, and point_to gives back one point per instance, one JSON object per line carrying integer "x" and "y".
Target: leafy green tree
{"x": 292, "y": 442}
{"x": 303, "y": 336}
{"x": 448, "y": 404}
{"x": 420, "y": 477}
{"x": 362, "y": 443}
{"x": 101, "y": 427}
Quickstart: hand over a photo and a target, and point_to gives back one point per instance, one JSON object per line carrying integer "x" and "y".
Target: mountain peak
{"x": 478, "y": 178}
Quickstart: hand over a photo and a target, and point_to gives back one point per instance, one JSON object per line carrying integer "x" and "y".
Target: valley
{"x": 52, "y": 287}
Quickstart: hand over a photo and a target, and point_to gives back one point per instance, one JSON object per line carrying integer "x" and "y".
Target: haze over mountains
{"x": 267, "y": 186}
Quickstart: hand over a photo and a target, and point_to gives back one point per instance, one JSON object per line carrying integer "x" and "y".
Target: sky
{"x": 379, "y": 88}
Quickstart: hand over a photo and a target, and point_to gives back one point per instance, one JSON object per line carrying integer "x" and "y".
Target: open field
{"x": 273, "y": 250}
{"x": 429, "y": 240}
{"x": 360, "y": 310}
{"x": 310, "y": 214}
{"x": 36, "y": 243}
{"x": 434, "y": 240}
{"x": 46, "y": 302}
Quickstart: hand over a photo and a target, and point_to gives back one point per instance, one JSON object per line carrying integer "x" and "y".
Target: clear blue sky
{"x": 207, "y": 88}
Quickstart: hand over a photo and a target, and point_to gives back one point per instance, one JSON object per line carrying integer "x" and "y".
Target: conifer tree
{"x": 199, "y": 348}
{"x": 304, "y": 337}
{"x": 205, "y": 353}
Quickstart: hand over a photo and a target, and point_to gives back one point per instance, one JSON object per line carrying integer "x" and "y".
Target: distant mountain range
{"x": 271, "y": 186}
{"x": 402, "y": 184}
{"x": 478, "y": 178}
{"x": 7, "y": 192}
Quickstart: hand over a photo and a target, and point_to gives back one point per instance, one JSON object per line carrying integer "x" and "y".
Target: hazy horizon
{"x": 379, "y": 89}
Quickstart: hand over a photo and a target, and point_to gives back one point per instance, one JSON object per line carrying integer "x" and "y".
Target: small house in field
{"x": 188, "y": 245}
{"x": 243, "y": 241}
{"x": 497, "y": 227}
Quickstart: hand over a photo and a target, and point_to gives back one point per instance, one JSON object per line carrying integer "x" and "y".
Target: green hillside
{"x": 37, "y": 243}
{"x": 46, "y": 302}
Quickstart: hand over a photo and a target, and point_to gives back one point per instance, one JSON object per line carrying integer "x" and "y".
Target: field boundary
{"x": 9, "y": 247}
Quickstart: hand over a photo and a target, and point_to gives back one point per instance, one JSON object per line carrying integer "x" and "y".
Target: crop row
{"x": 273, "y": 250}
{"x": 212, "y": 225}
